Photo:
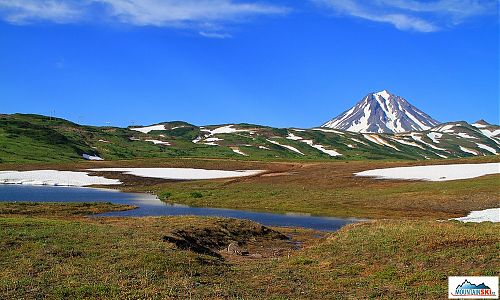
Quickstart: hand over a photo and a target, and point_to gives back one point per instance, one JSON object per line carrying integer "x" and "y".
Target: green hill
{"x": 35, "y": 138}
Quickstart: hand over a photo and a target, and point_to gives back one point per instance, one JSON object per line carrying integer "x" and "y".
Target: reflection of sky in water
{"x": 150, "y": 205}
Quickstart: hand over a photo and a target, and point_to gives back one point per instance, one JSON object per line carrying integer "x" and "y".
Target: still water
{"x": 150, "y": 205}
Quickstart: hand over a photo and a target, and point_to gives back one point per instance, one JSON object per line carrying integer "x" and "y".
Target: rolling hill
{"x": 36, "y": 138}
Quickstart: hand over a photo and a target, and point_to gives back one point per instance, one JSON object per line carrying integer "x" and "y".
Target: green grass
{"x": 318, "y": 188}
{"x": 391, "y": 260}
{"x": 81, "y": 258}
{"x": 59, "y": 209}
{"x": 35, "y": 138}
{"x": 312, "y": 190}
{"x": 75, "y": 257}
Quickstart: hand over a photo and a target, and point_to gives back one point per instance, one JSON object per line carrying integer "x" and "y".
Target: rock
{"x": 235, "y": 249}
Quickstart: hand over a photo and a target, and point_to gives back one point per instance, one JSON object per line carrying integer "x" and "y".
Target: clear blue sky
{"x": 278, "y": 63}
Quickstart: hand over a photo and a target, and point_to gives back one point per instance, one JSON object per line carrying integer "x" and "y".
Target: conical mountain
{"x": 382, "y": 112}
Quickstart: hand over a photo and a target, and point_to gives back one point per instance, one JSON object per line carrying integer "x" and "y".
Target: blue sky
{"x": 278, "y": 63}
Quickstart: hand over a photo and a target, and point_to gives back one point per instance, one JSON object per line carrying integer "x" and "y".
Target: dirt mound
{"x": 210, "y": 240}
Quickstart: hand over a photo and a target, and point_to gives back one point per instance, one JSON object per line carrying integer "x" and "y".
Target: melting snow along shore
{"x": 53, "y": 177}
{"x": 78, "y": 178}
{"x": 434, "y": 172}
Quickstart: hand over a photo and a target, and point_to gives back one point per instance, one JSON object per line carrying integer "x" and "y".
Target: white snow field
{"x": 53, "y": 177}
{"x": 147, "y": 129}
{"x": 477, "y": 216}
{"x": 219, "y": 130}
{"x": 158, "y": 142}
{"x": 180, "y": 173}
{"x": 224, "y": 129}
{"x": 435, "y": 172}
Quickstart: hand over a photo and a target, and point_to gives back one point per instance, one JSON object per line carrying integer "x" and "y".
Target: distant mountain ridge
{"x": 382, "y": 112}
{"x": 35, "y": 138}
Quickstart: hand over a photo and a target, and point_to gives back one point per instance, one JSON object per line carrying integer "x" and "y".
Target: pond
{"x": 150, "y": 205}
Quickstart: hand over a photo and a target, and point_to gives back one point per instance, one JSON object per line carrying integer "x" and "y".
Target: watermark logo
{"x": 473, "y": 287}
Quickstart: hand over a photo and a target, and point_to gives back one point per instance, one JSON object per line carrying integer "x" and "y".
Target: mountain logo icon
{"x": 467, "y": 289}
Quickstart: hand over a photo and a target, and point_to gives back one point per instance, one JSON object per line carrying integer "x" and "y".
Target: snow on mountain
{"x": 311, "y": 143}
{"x": 382, "y": 112}
{"x": 481, "y": 124}
{"x": 385, "y": 112}
{"x": 148, "y": 129}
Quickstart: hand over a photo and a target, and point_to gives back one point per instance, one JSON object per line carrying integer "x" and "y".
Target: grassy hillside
{"x": 35, "y": 138}
{"x": 52, "y": 252}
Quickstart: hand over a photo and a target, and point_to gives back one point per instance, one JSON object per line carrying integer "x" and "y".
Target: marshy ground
{"x": 405, "y": 251}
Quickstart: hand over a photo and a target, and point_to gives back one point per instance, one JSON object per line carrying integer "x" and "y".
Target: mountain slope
{"x": 382, "y": 112}
{"x": 32, "y": 138}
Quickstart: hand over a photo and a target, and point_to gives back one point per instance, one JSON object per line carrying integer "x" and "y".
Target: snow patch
{"x": 477, "y": 125}
{"x": 158, "y": 142}
{"x": 416, "y": 120}
{"x": 384, "y": 94}
{"x": 363, "y": 121}
{"x": 359, "y": 141}
{"x": 445, "y": 128}
{"x": 418, "y": 138}
{"x": 490, "y": 133}
{"x": 487, "y": 148}
{"x": 225, "y": 129}
{"x": 238, "y": 151}
{"x": 477, "y": 216}
{"x": 180, "y": 173}
{"x": 213, "y": 139}
{"x": 466, "y": 136}
{"x": 378, "y": 140}
{"x": 54, "y": 177}
{"x": 218, "y": 130}
{"x": 197, "y": 140}
{"x": 434, "y": 172}
{"x": 408, "y": 143}
{"x": 440, "y": 155}
{"x": 293, "y": 137}
{"x": 147, "y": 129}
{"x": 434, "y": 136}
{"x": 467, "y": 150}
{"x": 91, "y": 157}
{"x": 321, "y": 148}
{"x": 286, "y": 146}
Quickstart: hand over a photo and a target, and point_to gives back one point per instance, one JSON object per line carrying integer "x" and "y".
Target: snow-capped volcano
{"x": 382, "y": 112}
